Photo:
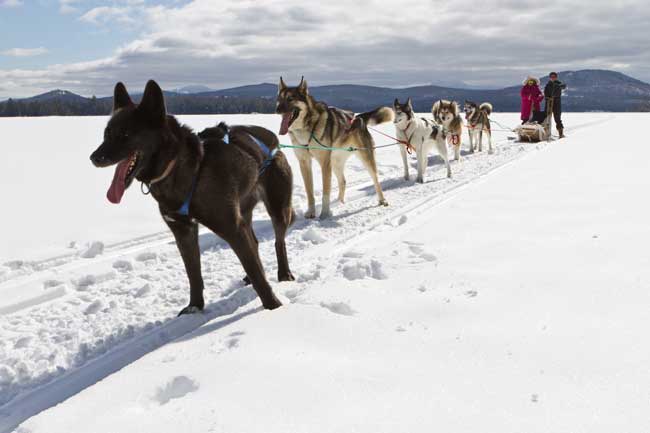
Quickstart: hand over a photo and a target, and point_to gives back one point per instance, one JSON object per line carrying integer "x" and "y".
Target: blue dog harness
{"x": 270, "y": 154}
{"x": 185, "y": 207}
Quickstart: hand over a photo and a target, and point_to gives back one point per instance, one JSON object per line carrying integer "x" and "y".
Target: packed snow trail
{"x": 517, "y": 303}
{"x": 111, "y": 309}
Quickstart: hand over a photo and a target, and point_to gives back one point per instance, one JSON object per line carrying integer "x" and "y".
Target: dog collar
{"x": 165, "y": 173}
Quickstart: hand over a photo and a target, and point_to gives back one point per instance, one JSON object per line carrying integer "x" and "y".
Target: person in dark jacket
{"x": 553, "y": 90}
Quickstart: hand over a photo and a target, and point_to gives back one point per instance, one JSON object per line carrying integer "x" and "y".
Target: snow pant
{"x": 539, "y": 116}
{"x": 557, "y": 112}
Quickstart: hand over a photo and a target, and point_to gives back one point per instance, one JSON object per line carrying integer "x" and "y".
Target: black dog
{"x": 216, "y": 182}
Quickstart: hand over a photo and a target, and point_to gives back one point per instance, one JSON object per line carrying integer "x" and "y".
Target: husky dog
{"x": 446, "y": 114}
{"x": 478, "y": 122}
{"x": 421, "y": 134}
{"x": 216, "y": 182}
{"x": 313, "y": 124}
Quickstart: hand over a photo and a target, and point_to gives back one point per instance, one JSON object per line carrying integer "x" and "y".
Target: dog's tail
{"x": 487, "y": 107}
{"x": 435, "y": 110}
{"x": 377, "y": 116}
{"x": 214, "y": 132}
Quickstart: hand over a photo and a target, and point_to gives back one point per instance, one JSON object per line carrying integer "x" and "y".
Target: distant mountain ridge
{"x": 188, "y": 90}
{"x": 588, "y": 90}
{"x": 63, "y": 95}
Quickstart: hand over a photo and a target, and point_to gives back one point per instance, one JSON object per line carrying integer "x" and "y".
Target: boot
{"x": 561, "y": 131}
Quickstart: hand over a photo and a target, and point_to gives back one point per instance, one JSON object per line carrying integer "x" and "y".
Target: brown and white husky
{"x": 446, "y": 113}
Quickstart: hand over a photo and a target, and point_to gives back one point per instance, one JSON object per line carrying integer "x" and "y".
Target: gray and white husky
{"x": 422, "y": 134}
{"x": 478, "y": 124}
{"x": 312, "y": 124}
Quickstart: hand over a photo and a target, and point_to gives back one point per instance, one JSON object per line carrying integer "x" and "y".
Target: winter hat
{"x": 530, "y": 77}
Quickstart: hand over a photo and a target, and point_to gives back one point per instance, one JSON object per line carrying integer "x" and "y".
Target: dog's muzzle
{"x": 100, "y": 160}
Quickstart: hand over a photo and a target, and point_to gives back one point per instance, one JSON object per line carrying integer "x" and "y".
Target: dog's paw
{"x": 325, "y": 214}
{"x": 288, "y": 276}
{"x": 246, "y": 280}
{"x": 310, "y": 214}
{"x": 190, "y": 309}
{"x": 383, "y": 202}
{"x": 341, "y": 199}
{"x": 419, "y": 179}
{"x": 491, "y": 152}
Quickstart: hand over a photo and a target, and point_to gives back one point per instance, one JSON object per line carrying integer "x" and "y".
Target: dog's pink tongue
{"x": 284, "y": 126}
{"x": 116, "y": 190}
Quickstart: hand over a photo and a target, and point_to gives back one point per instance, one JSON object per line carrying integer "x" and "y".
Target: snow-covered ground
{"x": 511, "y": 298}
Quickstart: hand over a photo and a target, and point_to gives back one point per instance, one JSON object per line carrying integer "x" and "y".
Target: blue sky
{"x": 67, "y": 39}
{"x": 86, "y": 46}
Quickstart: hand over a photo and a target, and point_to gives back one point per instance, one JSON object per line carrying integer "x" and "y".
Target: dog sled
{"x": 534, "y": 131}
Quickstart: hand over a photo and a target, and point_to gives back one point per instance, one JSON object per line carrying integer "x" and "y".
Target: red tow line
{"x": 409, "y": 146}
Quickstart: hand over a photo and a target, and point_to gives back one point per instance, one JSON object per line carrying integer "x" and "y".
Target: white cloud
{"x": 106, "y": 14}
{"x": 10, "y": 3}
{"x": 68, "y": 6}
{"x": 24, "y": 52}
{"x": 234, "y": 42}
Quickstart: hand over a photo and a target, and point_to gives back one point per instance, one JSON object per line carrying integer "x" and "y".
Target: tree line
{"x": 211, "y": 104}
{"x": 176, "y": 104}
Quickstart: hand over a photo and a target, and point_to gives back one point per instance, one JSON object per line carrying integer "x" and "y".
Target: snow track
{"x": 74, "y": 321}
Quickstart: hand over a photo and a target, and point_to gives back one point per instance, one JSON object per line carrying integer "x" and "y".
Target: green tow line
{"x": 323, "y": 147}
{"x": 291, "y": 146}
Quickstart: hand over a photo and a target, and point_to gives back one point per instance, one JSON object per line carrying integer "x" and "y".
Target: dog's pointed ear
{"x": 121, "y": 97}
{"x": 153, "y": 103}
{"x": 409, "y": 103}
{"x": 302, "y": 87}
{"x": 396, "y": 103}
{"x": 282, "y": 86}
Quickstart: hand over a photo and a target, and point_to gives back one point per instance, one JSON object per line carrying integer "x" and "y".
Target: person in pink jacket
{"x": 531, "y": 96}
